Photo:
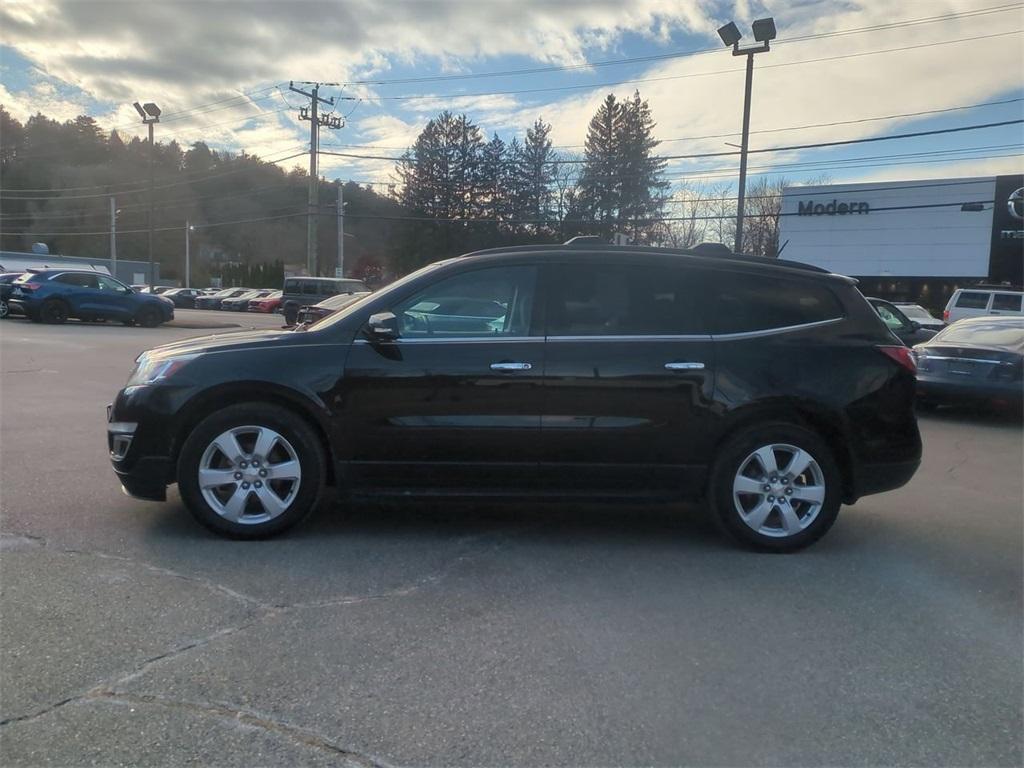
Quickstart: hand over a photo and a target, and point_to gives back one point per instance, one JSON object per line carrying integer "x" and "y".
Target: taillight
{"x": 30, "y": 286}
{"x": 945, "y": 315}
{"x": 901, "y": 355}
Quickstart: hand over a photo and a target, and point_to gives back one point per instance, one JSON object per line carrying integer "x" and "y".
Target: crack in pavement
{"x": 232, "y": 712}
{"x": 222, "y": 711}
{"x": 108, "y": 690}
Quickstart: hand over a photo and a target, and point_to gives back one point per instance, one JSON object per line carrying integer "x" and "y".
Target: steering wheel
{"x": 418, "y": 322}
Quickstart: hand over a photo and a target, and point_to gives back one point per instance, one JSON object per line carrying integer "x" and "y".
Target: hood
{"x": 223, "y": 341}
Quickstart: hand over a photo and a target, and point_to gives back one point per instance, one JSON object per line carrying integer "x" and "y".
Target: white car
{"x": 920, "y": 315}
{"x": 976, "y": 302}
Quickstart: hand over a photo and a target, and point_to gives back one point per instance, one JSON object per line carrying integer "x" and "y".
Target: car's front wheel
{"x": 251, "y": 470}
{"x": 4, "y": 310}
{"x": 149, "y": 317}
{"x": 776, "y": 487}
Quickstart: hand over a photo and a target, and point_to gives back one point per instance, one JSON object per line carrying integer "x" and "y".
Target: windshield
{"x": 912, "y": 310}
{"x": 396, "y": 286}
{"x": 989, "y": 333}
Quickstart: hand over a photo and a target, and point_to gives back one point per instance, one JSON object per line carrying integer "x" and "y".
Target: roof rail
{"x": 584, "y": 240}
{"x": 712, "y": 251}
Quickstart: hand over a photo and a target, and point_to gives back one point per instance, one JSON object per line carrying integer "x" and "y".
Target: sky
{"x": 838, "y": 70}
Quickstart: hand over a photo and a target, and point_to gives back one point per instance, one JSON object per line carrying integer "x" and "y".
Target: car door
{"x": 113, "y": 299}
{"x": 455, "y": 400}
{"x": 79, "y": 290}
{"x": 629, "y": 376}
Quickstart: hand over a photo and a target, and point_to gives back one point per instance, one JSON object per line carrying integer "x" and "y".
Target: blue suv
{"x": 54, "y": 295}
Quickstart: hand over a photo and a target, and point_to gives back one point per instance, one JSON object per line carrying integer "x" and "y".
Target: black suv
{"x": 770, "y": 388}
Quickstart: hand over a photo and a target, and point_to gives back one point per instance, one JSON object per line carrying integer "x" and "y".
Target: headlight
{"x": 151, "y": 370}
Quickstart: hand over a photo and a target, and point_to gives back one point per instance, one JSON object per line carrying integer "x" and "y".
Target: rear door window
{"x": 972, "y": 300}
{"x": 82, "y": 281}
{"x": 588, "y": 299}
{"x": 310, "y": 288}
{"x": 1008, "y": 302}
{"x": 743, "y": 302}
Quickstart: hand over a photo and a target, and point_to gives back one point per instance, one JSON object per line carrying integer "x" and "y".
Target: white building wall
{"x": 906, "y": 242}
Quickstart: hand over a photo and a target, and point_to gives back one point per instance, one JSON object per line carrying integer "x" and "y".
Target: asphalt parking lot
{"x": 489, "y": 635}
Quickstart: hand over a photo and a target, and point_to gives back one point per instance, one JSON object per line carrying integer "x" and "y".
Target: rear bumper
{"x": 945, "y": 390}
{"x": 878, "y": 478}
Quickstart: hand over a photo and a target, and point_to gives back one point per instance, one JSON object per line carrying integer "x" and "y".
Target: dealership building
{"x": 910, "y": 240}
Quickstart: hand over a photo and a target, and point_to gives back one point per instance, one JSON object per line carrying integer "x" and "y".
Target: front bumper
{"x": 138, "y": 442}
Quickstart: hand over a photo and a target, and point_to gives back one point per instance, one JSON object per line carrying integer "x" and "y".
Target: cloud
{"x": 184, "y": 54}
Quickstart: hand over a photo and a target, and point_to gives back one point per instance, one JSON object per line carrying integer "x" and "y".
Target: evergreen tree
{"x": 642, "y": 188}
{"x": 537, "y": 170}
{"x": 600, "y": 194}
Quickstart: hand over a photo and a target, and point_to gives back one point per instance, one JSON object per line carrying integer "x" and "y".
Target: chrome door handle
{"x": 685, "y": 366}
{"x": 510, "y": 366}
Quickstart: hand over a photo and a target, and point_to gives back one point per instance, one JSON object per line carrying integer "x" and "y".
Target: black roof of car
{"x": 706, "y": 255}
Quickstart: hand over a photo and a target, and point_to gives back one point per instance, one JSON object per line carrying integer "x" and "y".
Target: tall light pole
{"x": 150, "y": 114}
{"x": 189, "y": 228}
{"x": 113, "y": 236}
{"x": 764, "y": 32}
{"x": 340, "y": 271}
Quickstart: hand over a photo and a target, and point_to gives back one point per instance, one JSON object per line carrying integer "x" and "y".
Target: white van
{"x": 975, "y": 302}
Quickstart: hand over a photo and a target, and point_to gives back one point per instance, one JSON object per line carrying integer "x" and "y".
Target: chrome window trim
{"x": 773, "y": 331}
{"x": 927, "y": 357}
{"x": 459, "y": 340}
{"x": 634, "y": 337}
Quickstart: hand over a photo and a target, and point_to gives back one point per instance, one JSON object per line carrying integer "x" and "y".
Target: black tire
{"x": 291, "y": 313}
{"x": 148, "y": 317}
{"x": 4, "y": 310}
{"x": 293, "y": 428}
{"x": 53, "y": 311}
{"x": 731, "y": 458}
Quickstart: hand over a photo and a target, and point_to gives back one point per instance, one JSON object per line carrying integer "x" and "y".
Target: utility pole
{"x": 341, "y": 229}
{"x": 113, "y": 236}
{"x": 312, "y": 114}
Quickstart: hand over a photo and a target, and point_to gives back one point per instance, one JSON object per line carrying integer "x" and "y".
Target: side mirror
{"x": 915, "y": 326}
{"x": 382, "y": 326}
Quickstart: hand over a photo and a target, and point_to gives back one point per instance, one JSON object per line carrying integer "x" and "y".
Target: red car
{"x": 268, "y": 303}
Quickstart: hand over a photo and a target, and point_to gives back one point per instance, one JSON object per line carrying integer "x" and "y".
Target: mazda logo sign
{"x": 1016, "y": 203}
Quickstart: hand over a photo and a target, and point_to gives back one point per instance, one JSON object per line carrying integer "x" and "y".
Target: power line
{"x": 677, "y": 54}
{"x": 578, "y": 161}
{"x": 490, "y": 221}
{"x": 919, "y": 113}
{"x": 549, "y": 89}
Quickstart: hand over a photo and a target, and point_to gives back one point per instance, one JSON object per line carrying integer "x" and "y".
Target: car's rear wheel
{"x": 148, "y": 317}
{"x": 53, "y": 311}
{"x": 251, "y": 470}
{"x": 4, "y": 310}
{"x": 776, "y": 487}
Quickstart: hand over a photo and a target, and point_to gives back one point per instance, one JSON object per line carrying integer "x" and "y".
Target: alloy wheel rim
{"x": 779, "y": 490}
{"x": 249, "y": 474}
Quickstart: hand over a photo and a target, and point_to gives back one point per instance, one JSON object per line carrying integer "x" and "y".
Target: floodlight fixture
{"x": 730, "y": 34}
{"x": 154, "y": 111}
{"x": 764, "y": 30}
{"x": 140, "y": 110}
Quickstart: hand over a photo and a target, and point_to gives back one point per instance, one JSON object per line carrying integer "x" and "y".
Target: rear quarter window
{"x": 1008, "y": 302}
{"x": 742, "y": 303}
{"x": 972, "y": 300}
